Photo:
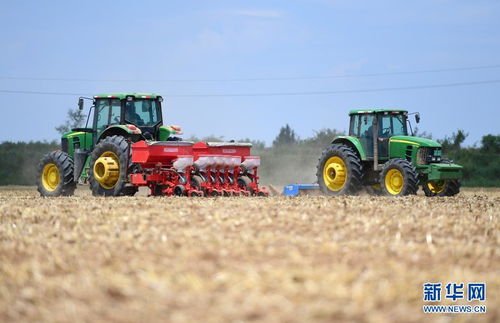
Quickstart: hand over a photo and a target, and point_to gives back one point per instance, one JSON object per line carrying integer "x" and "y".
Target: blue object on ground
{"x": 294, "y": 189}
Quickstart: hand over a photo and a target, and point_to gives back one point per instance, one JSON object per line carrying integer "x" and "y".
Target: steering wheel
{"x": 386, "y": 131}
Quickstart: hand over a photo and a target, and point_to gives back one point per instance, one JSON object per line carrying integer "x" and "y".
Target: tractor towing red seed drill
{"x": 128, "y": 146}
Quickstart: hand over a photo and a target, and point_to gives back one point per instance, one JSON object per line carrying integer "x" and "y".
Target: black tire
{"x": 65, "y": 183}
{"x": 119, "y": 146}
{"x": 179, "y": 190}
{"x": 129, "y": 190}
{"x": 353, "y": 170}
{"x": 409, "y": 185}
{"x": 452, "y": 187}
{"x": 244, "y": 183}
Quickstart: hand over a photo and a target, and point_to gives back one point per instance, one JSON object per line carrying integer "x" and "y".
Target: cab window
{"x": 108, "y": 112}
{"x": 354, "y": 128}
{"x": 102, "y": 112}
{"x": 392, "y": 125}
{"x": 366, "y": 127}
{"x": 142, "y": 112}
{"x": 366, "y": 133}
{"x": 115, "y": 112}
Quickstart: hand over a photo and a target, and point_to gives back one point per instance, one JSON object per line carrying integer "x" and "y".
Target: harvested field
{"x": 303, "y": 259}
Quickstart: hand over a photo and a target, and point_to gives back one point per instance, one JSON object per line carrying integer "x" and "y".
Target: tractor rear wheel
{"x": 129, "y": 190}
{"x": 442, "y": 188}
{"x": 55, "y": 175}
{"x": 339, "y": 171}
{"x": 109, "y": 167}
{"x": 398, "y": 178}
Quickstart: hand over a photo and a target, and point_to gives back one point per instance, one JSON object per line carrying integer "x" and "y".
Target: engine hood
{"x": 421, "y": 142}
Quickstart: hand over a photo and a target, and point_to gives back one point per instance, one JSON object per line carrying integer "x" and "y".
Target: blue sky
{"x": 206, "y": 40}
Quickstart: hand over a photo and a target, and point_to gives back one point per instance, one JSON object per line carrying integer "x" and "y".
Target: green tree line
{"x": 18, "y": 161}
{"x": 290, "y": 159}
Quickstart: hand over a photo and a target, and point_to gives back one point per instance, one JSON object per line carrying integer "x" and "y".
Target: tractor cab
{"x": 141, "y": 112}
{"x": 377, "y": 126}
{"x": 137, "y": 116}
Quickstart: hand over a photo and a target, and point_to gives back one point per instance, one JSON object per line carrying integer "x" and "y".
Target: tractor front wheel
{"x": 55, "y": 175}
{"x": 109, "y": 165}
{"x": 442, "y": 188}
{"x": 339, "y": 171}
{"x": 398, "y": 178}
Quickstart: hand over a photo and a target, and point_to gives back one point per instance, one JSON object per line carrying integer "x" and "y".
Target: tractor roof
{"x": 123, "y": 95}
{"x": 371, "y": 110}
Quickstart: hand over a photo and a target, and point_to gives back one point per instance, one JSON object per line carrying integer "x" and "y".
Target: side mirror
{"x": 417, "y": 117}
{"x": 80, "y": 103}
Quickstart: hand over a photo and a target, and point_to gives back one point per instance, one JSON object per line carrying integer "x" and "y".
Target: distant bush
{"x": 18, "y": 161}
{"x": 481, "y": 164}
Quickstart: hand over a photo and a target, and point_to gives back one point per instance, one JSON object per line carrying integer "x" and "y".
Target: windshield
{"x": 392, "y": 125}
{"x": 144, "y": 112}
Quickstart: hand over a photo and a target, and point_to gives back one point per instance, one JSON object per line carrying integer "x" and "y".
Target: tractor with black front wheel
{"x": 379, "y": 155}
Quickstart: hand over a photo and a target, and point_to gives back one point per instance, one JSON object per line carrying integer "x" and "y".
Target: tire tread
{"x": 410, "y": 175}
{"x": 354, "y": 169}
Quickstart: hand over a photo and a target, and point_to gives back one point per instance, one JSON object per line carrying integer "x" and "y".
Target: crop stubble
{"x": 226, "y": 259}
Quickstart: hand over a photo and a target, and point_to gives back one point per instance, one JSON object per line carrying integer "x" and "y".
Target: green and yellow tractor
{"x": 117, "y": 121}
{"x": 378, "y": 154}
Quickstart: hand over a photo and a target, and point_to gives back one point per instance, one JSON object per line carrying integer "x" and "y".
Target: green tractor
{"x": 100, "y": 152}
{"x": 379, "y": 154}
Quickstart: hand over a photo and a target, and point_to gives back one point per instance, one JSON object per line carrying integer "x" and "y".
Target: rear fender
{"x": 128, "y": 131}
{"x": 353, "y": 143}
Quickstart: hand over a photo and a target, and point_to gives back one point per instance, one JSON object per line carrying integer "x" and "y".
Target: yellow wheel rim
{"x": 394, "y": 181}
{"x": 335, "y": 173}
{"x": 50, "y": 177}
{"x": 107, "y": 169}
{"x": 436, "y": 187}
